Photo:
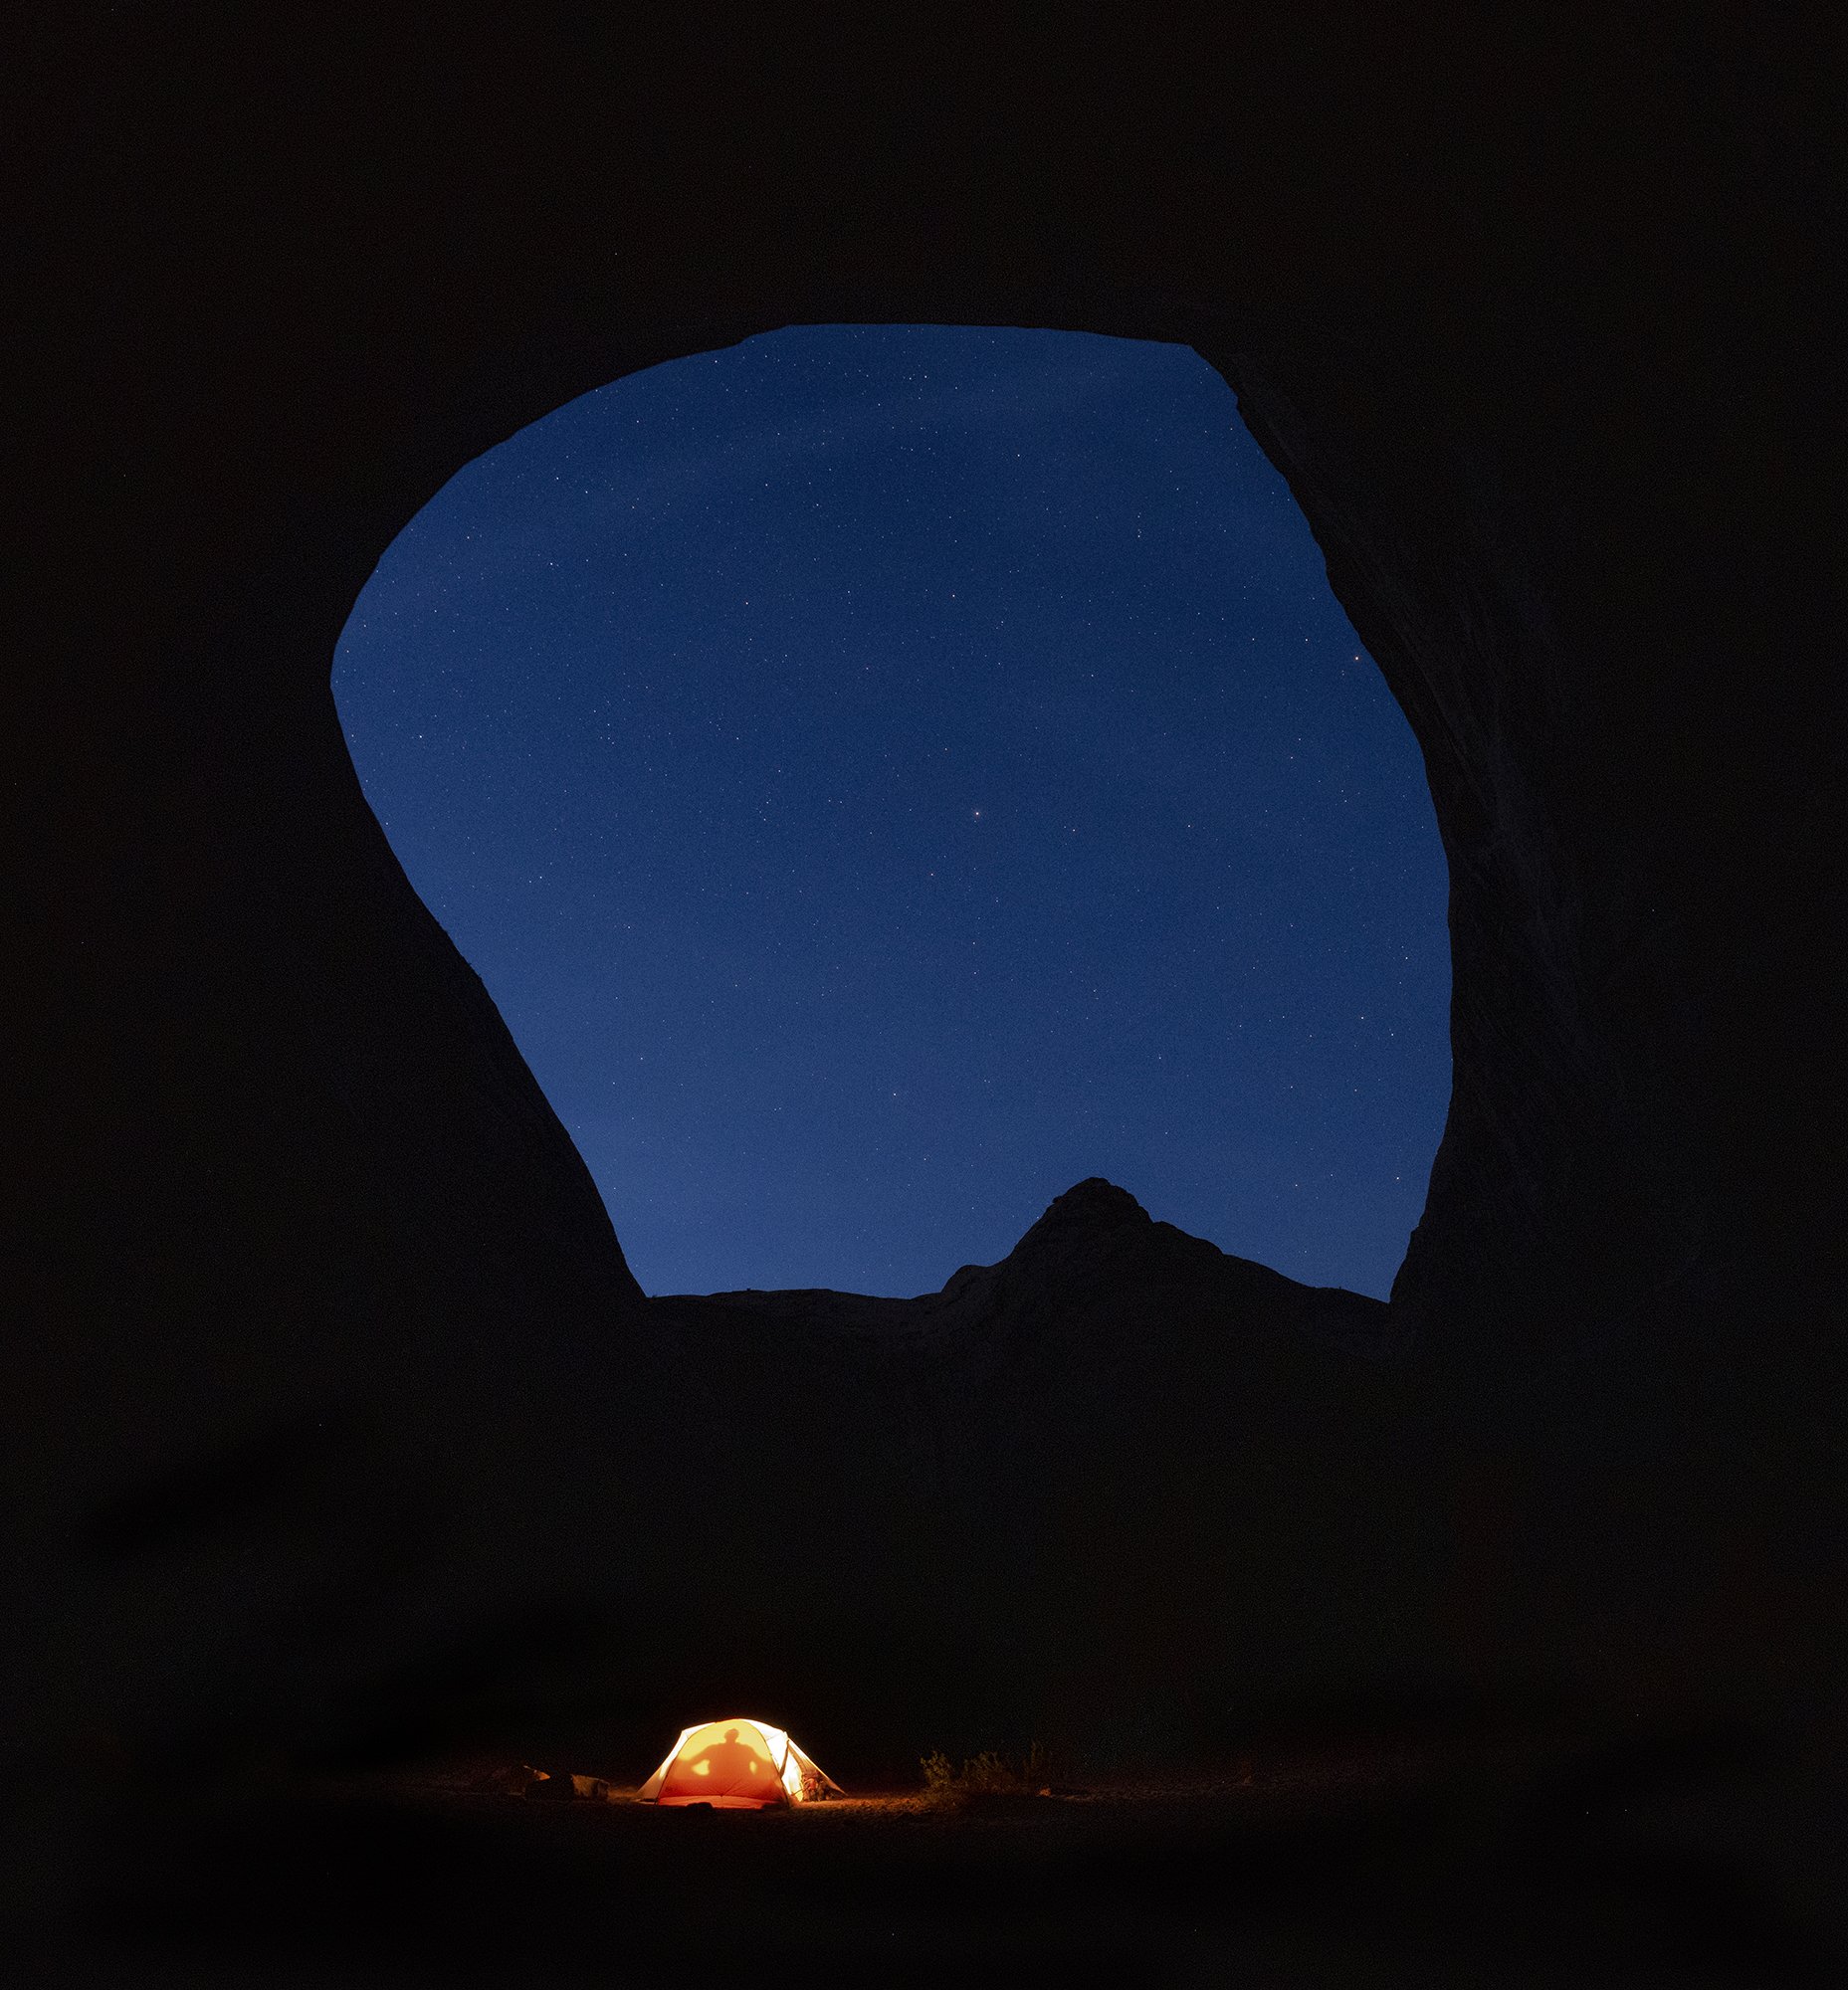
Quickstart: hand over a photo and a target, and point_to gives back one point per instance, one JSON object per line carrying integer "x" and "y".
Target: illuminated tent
{"x": 736, "y": 1765}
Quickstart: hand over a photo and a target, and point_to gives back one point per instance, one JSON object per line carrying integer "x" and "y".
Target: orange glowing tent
{"x": 736, "y": 1765}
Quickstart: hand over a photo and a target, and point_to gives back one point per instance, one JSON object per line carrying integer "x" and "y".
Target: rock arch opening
{"x": 887, "y": 774}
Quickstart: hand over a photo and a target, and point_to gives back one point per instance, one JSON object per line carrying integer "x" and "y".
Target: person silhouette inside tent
{"x": 731, "y": 1768}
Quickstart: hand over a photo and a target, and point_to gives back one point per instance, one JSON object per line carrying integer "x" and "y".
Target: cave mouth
{"x": 887, "y": 774}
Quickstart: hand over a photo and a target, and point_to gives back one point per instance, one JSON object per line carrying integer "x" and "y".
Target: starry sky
{"x": 886, "y": 774}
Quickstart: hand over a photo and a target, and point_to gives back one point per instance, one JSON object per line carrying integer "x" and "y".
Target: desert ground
{"x": 1506, "y": 1859}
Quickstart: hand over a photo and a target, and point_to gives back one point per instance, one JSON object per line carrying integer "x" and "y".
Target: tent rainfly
{"x": 736, "y": 1765}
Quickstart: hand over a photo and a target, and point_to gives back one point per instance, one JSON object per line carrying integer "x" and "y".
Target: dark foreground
{"x": 1505, "y": 1866}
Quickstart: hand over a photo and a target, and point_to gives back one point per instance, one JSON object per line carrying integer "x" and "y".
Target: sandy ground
{"x": 1380, "y": 1866}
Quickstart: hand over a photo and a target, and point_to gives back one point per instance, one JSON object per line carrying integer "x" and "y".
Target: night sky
{"x": 885, "y": 776}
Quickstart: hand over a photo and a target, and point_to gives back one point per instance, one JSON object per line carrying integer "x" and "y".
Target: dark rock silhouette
{"x": 1066, "y": 1482}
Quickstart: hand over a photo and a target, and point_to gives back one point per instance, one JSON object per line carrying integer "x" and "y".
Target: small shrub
{"x": 990, "y": 1773}
{"x": 939, "y": 1772}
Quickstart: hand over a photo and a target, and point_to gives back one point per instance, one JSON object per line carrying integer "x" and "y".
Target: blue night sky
{"x": 887, "y": 774}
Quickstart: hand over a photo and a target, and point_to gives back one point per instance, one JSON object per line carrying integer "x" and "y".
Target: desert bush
{"x": 939, "y": 1772}
{"x": 988, "y": 1773}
